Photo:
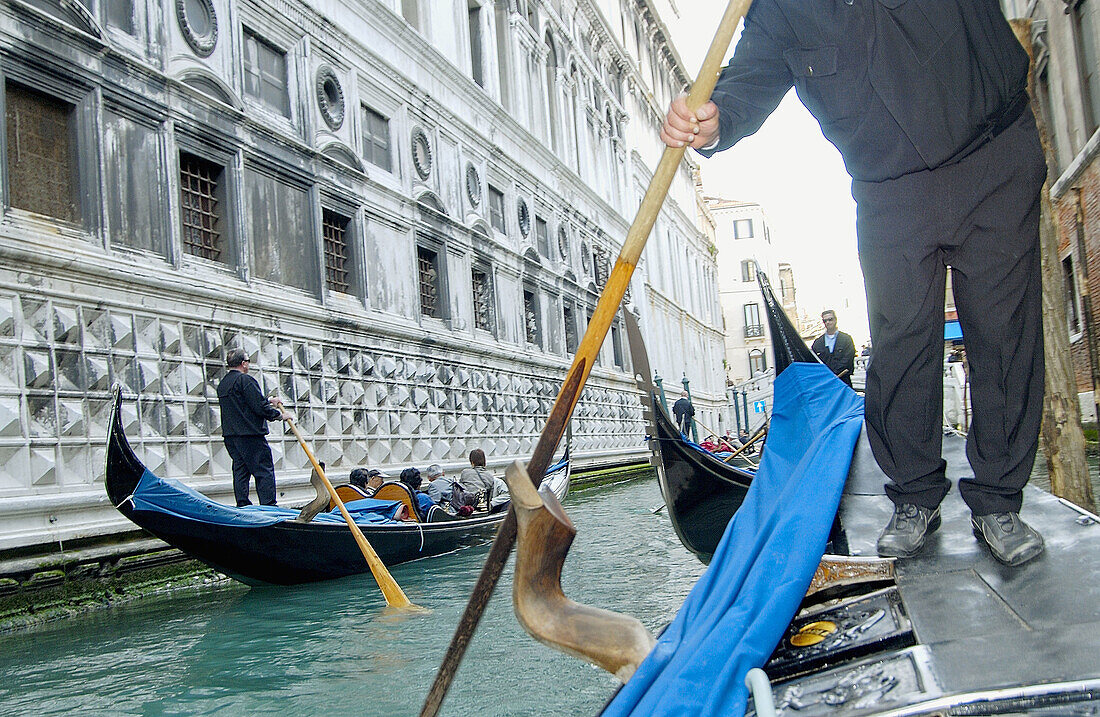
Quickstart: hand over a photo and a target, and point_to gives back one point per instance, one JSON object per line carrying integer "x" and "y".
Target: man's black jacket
{"x": 842, "y": 357}
{"x": 245, "y": 410}
{"x": 898, "y": 86}
{"x": 682, "y": 407}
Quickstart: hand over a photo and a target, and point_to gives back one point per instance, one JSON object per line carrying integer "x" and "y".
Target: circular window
{"x": 330, "y": 97}
{"x": 422, "y": 154}
{"x": 563, "y": 243}
{"x": 199, "y": 24}
{"x": 586, "y": 259}
{"x": 473, "y": 185}
{"x": 524, "y": 218}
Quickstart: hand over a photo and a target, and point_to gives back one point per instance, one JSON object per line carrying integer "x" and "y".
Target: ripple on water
{"x": 334, "y": 647}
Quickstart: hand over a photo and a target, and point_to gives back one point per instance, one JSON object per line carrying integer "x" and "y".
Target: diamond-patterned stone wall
{"x": 373, "y": 403}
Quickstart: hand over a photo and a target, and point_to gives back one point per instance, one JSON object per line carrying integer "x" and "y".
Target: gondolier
{"x": 245, "y": 413}
{"x": 926, "y": 102}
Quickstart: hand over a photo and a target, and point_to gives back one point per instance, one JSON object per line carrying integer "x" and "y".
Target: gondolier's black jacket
{"x": 898, "y": 86}
{"x": 245, "y": 410}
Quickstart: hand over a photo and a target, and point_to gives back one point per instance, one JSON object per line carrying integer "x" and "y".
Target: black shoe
{"x": 1011, "y": 540}
{"x": 903, "y": 536}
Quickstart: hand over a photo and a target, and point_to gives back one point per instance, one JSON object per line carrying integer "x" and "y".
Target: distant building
{"x": 403, "y": 210}
{"x": 743, "y": 238}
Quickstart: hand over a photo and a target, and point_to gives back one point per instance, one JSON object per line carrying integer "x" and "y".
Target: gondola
{"x": 265, "y": 545}
{"x": 701, "y": 490}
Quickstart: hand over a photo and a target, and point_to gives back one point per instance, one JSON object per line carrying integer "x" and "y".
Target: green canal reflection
{"x": 333, "y": 648}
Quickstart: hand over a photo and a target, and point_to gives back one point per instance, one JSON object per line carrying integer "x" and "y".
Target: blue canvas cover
{"x": 738, "y": 611}
{"x": 172, "y": 497}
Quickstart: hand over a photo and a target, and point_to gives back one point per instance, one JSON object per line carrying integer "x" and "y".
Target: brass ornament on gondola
{"x": 813, "y": 633}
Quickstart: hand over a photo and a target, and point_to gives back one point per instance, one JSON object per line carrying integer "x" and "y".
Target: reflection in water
{"x": 335, "y": 648}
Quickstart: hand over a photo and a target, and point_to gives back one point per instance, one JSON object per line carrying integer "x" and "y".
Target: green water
{"x": 333, "y": 648}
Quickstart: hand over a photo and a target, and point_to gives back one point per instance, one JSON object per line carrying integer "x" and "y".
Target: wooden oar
{"x": 598, "y": 326}
{"x": 395, "y": 597}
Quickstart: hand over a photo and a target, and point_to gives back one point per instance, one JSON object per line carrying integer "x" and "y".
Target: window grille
{"x": 41, "y": 165}
{"x": 483, "y": 300}
{"x": 337, "y": 261}
{"x": 200, "y": 210}
{"x": 428, "y": 263}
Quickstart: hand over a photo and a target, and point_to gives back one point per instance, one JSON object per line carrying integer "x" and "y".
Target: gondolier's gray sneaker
{"x": 1011, "y": 540}
{"x": 903, "y": 536}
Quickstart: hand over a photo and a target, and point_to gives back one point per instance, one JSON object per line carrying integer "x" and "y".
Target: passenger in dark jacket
{"x": 926, "y": 101}
{"x": 245, "y": 413}
{"x": 836, "y": 349}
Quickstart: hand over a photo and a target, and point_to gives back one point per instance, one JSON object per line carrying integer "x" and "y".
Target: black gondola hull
{"x": 287, "y": 552}
{"x": 700, "y": 490}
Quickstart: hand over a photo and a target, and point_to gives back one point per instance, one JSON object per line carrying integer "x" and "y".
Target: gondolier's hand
{"x": 683, "y": 128}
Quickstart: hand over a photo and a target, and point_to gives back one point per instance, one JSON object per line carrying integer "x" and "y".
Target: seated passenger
{"x": 710, "y": 443}
{"x": 411, "y": 478}
{"x": 500, "y": 497}
{"x": 477, "y": 478}
{"x": 439, "y": 486}
{"x": 367, "y": 481}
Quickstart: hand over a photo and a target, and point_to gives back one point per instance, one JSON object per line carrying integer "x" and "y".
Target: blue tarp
{"x": 952, "y": 330}
{"x": 738, "y": 611}
{"x": 166, "y": 495}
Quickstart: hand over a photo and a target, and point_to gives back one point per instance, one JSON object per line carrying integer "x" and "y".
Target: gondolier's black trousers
{"x": 979, "y": 216}
{"x": 251, "y": 457}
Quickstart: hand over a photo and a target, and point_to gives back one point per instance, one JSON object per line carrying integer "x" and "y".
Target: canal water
{"x": 334, "y": 648}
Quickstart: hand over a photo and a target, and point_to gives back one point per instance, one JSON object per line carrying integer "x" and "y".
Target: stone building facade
{"x": 403, "y": 210}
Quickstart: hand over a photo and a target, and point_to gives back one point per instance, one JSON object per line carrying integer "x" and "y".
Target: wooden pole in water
{"x": 1063, "y": 440}
{"x": 598, "y": 326}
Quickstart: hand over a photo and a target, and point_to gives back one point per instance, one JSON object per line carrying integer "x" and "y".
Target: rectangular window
{"x": 410, "y": 10}
{"x": 758, "y": 362}
{"x": 376, "y": 139}
{"x": 496, "y": 210}
{"x": 753, "y": 327}
{"x": 477, "y": 70}
{"x": 531, "y": 323}
{"x": 748, "y": 270}
{"x": 337, "y": 257}
{"x": 428, "y": 269}
{"x": 1073, "y": 315}
{"x": 742, "y": 229}
{"x": 570, "y": 330}
{"x": 265, "y": 73}
{"x": 201, "y": 207}
{"x": 617, "y": 347}
{"x": 120, "y": 15}
{"x": 483, "y": 298}
{"x": 542, "y": 236}
{"x": 42, "y": 166}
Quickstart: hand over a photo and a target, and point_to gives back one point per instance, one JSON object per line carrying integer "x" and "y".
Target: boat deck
{"x": 978, "y": 625}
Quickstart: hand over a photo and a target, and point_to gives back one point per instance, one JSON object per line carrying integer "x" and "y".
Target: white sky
{"x": 798, "y": 177}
